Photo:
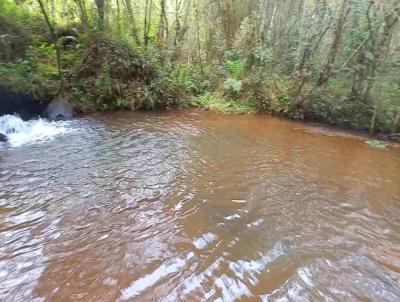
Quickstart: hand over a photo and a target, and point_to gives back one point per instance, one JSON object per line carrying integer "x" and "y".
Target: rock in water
{"x": 59, "y": 109}
{"x": 3, "y": 137}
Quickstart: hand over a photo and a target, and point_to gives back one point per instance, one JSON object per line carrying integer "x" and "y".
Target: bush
{"x": 217, "y": 103}
{"x": 190, "y": 79}
{"x": 269, "y": 93}
{"x": 35, "y": 74}
{"x": 110, "y": 76}
{"x": 233, "y": 85}
{"x": 235, "y": 68}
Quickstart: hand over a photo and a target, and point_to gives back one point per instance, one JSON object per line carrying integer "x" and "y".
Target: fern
{"x": 235, "y": 68}
{"x": 233, "y": 85}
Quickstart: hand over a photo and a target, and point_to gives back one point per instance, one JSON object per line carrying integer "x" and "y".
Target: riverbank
{"x": 97, "y": 71}
{"x": 219, "y": 105}
{"x": 28, "y": 107}
{"x": 90, "y": 84}
{"x": 234, "y": 108}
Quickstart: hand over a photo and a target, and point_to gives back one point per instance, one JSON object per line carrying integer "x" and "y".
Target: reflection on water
{"x": 187, "y": 206}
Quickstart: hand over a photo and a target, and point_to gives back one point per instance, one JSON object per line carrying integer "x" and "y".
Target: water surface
{"x": 189, "y": 206}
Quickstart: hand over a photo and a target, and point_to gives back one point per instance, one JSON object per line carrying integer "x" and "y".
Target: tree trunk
{"x": 163, "y": 31}
{"x": 396, "y": 123}
{"x": 373, "y": 119}
{"x": 118, "y": 18}
{"x": 381, "y": 43}
{"x": 129, "y": 9}
{"x": 198, "y": 38}
{"x": 82, "y": 12}
{"x": 271, "y": 22}
{"x": 327, "y": 70}
{"x": 263, "y": 20}
{"x": 55, "y": 41}
{"x": 100, "y": 12}
{"x": 147, "y": 21}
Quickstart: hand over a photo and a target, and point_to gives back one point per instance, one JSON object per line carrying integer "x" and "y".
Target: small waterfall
{"x": 21, "y": 132}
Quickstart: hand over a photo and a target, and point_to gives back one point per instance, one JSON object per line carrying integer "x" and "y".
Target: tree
{"x": 54, "y": 39}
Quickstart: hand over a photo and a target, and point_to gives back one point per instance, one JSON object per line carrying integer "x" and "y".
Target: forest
{"x": 332, "y": 61}
{"x": 199, "y": 150}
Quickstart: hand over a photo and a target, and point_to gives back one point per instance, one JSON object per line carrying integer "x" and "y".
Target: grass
{"x": 216, "y": 103}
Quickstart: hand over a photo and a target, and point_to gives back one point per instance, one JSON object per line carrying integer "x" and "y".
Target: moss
{"x": 214, "y": 102}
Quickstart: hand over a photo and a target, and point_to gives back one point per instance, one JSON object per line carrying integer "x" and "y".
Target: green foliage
{"x": 270, "y": 93}
{"x": 263, "y": 54}
{"x": 34, "y": 75}
{"x": 233, "y": 85}
{"x": 112, "y": 76}
{"x": 19, "y": 14}
{"x": 190, "y": 80}
{"x": 16, "y": 74}
{"x": 120, "y": 103}
{"x": 235, "y": 68}
{"x": 186, "y": 81}
{"x": 80, "y": 95}
{"x": 214, "y": 102}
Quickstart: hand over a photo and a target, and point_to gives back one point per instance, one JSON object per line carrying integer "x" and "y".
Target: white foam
{"x": 249, "y": 270}
{"x": 231, "y": 289}
{"x": 143, "y": 283}
{"x": 203, "y": 241}
{"x": 255, "y": 223}
{"x": 239, "y": 200}
{"x": 232, "y": 217}
{"x": 21, "y": 132}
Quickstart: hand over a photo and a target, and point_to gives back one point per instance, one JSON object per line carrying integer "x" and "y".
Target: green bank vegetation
{"x": 333, "y": 61}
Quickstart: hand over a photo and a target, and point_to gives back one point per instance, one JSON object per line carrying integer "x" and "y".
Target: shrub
{"x": 215, "y": 102}
{"x": 115, "y": 76}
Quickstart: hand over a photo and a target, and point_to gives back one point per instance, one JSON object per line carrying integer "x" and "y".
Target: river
{"x": 196, "y": 206}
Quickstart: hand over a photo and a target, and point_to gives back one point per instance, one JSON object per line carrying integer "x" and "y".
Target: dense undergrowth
{"x": 98, "y": 73}
{"x": 105, "y": 67}
{"x": 108, "y": 75}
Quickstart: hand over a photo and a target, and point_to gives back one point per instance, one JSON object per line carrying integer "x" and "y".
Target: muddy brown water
{"x": 190, "y": 206}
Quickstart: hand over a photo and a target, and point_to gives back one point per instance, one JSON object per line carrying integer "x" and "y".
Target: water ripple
{"x": 182, "y": 206}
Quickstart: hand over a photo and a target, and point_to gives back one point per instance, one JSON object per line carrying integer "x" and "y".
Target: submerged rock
{"x": 3, "y": 137}
{"x": 59, "y": 109}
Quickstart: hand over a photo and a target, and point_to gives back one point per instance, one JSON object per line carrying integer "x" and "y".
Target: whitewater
{"x": 20, "y": 132}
